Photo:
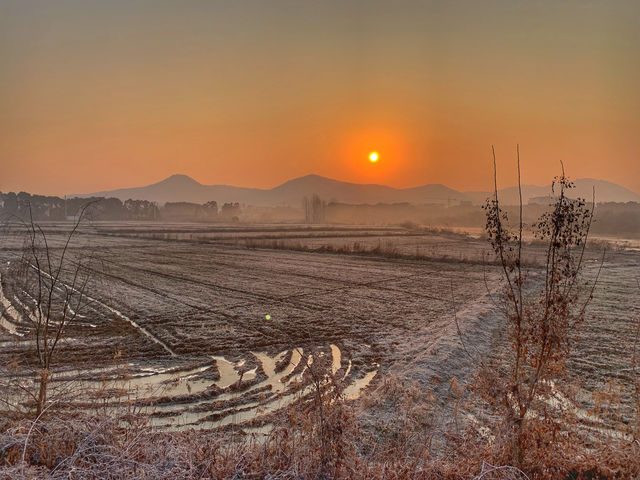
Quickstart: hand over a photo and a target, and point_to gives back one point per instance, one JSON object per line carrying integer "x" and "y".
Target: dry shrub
{"x": 536, "y": 427}
{"x": 539, "y": 326}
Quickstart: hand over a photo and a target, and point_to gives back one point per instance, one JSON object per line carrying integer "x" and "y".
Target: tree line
{"x": 42, "y": 208}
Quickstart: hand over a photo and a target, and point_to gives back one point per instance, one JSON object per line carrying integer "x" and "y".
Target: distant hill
{"x": 181, "y": 188}
{"x": 605, "y": 192}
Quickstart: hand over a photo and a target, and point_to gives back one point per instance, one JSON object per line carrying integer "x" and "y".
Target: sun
{"x": 373, "y": 157}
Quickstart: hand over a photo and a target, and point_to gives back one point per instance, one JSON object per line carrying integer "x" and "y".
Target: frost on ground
{"x": 216, "y": 333}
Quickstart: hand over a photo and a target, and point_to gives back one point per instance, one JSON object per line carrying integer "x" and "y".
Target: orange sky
{"x": 101, "y": 95}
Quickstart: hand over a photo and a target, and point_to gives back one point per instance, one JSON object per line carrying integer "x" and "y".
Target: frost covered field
{"x": 210, "y": 327}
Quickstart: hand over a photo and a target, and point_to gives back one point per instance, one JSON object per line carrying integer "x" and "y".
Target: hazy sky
{"x": 103, "y": 94}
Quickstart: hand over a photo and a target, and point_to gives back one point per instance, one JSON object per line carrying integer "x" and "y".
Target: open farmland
{"x": 381, "y": 240}
{"x": 214, "y": 328}
{"x": 190, "y": 319}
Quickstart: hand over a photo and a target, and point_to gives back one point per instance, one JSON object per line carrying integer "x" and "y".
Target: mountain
{"x": 181, "y": 188}
{"x": 604, "y": 191}
{"x": 293, "y": 191}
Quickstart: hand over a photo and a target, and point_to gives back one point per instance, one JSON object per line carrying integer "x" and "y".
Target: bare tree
{"x": 53, "y": 283}
{"x": 314, "y": 209}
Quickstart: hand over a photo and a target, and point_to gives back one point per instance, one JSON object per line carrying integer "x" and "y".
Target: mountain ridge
{"x": 183, "y": 188}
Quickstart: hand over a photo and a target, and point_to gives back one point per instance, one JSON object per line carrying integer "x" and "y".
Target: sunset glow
{"x": 98, "y": 95}
{"x": 373, "y": 157}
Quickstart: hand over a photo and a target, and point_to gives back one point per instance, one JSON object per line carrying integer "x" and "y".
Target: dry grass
{"x": 385, "y": 249}
{"x": 396, "y": 432}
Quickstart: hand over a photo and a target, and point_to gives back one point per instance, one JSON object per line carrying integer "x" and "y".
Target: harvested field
{"x": 214, "y": 328}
